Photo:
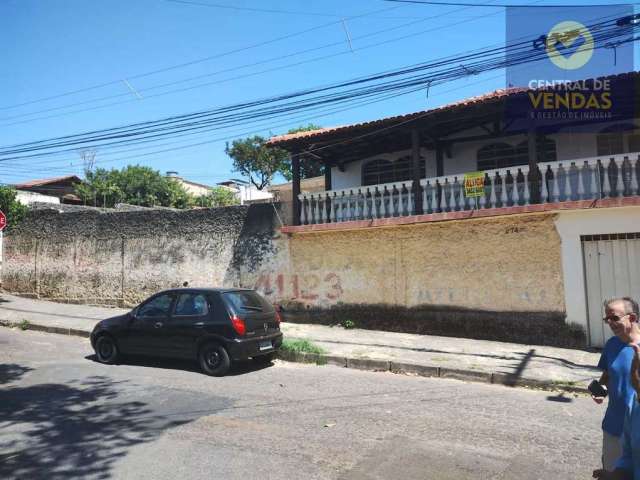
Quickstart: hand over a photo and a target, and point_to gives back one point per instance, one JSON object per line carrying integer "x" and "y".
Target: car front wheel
{"x": 214, "y": 360}
{"x": 106, "y": 349}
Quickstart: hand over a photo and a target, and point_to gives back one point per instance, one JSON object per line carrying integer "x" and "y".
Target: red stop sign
{"x": 3, "y": 220}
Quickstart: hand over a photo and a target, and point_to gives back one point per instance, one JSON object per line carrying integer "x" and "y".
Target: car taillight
{"x": 238, "y": 325}
{"x": 278, "y": 317}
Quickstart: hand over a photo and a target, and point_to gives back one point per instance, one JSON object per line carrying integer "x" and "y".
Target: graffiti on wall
{"x": 308, "y": 286}
{"x": 467, "y": 296}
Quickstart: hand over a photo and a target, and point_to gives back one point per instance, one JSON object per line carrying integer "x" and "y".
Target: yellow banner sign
{"x": 474, "y": 184}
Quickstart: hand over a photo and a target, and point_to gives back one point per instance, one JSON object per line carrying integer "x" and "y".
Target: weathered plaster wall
{"x": 495, "y": 278}
{"x": 122, "y": 257}
{"x": 498, "y": 278}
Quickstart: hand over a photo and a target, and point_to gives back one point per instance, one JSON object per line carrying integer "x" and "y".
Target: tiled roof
{"x": 480, "y": 99}
{"x": 496, "y": 94}
{"x": 47, "y": 181}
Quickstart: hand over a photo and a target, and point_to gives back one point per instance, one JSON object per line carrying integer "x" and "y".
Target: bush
{"x": 298, "y": 346}
{"x": 14, "y": 210}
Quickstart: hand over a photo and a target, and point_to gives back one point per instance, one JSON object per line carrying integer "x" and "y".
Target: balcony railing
{"x": 553, "y": 182}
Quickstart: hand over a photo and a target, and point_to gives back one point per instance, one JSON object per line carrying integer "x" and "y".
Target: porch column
{"x": 327, "y": 176}
{"x": 439, "y": 159}
{"x": 534, "y": 176}
{"x": 415, "y": 169}
{"x": 295, "y": 190}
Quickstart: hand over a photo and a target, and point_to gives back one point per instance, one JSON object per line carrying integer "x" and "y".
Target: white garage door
{"x": 612, "y": 269}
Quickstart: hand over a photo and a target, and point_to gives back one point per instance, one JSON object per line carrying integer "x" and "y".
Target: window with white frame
{"x": 379, "y": 171}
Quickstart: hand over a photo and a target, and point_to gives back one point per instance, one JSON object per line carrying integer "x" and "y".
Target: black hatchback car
{"x": 213, "y": 326}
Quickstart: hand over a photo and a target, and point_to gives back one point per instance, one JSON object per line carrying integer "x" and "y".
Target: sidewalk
{"x": 472, "y": 360}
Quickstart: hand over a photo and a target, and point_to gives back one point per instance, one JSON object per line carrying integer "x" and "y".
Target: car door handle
{"x": 199, "y": 324}
{"x": 158, "y": 324}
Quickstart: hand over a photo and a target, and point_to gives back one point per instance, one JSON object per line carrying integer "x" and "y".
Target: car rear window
{"x": 247, "y": 301}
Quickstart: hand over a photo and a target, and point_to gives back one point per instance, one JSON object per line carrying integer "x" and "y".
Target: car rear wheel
{"x": 106, "y": 349}
{"x": 214, "y": 360}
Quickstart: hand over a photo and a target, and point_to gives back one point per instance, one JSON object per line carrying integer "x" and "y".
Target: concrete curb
{"x": 428, "y": 371}
{"x": 367, "y": 364}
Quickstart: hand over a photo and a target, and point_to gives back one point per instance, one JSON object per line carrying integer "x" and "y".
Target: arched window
{"x": 611, "y": 140}
{"x": 546, "y": 150}
{"x": 496, "y": 155}
{"x": 379, "y": 171}
{"x": 402, "y": 168}
{"x": 503, "y": 155}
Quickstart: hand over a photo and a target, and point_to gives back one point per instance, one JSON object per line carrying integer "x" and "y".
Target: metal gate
{"x": 612, "y": 269}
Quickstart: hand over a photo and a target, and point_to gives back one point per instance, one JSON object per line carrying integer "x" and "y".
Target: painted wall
{"x": 497, "y": 278}
{"x": 571, "y": 225}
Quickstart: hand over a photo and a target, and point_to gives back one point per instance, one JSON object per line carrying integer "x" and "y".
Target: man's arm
{"x": 604, "y": 379}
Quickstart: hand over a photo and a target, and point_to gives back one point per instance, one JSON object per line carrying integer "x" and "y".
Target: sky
{"x": 71, "y": 66}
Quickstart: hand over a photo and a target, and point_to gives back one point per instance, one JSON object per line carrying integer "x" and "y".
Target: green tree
{"x": 217, "y": 197}
{"x": 252, "y": 158}
{"x": 132, "y": 184}
{"x": 308, "y": 167}
{"x": 259, "y": 162}
{"x": 12, "y": 208}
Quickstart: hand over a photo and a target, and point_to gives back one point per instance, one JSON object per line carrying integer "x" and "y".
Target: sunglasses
{"x": 613, "y": 318}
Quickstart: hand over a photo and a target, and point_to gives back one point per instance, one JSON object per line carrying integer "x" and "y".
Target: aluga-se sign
{"x": 3, "y": 220}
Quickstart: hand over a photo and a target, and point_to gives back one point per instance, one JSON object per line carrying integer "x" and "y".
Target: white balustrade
{"x": 585, "y": 179}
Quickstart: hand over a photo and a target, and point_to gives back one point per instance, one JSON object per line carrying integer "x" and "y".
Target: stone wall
{"x": 122, "y": 257}
{"x": 497, "y": 278}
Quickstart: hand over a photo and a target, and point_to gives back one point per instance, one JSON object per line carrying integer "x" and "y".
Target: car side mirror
{"x": 132, "y": 315}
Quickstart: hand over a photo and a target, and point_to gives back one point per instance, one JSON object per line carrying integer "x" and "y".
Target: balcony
{"x": 563, "y": 184}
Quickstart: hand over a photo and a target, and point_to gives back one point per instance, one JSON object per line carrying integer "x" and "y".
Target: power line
{"x": 509, "y": 5}
{"x": 241, "y": 134}
{"x": 258, "y": 10}
{"x": 195, "y": 62}
{"x": 239, "y": 77}
{"x": 413, "y": 77}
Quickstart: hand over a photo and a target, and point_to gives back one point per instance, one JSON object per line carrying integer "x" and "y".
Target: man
{"x": 621, "y": 314}
{"x": 628, "y": 465}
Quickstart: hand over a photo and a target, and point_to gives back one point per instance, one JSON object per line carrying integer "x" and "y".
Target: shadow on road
{"x": 560, "y": 398}
{"x": 73, "y": 430}
{"x": 237, "y": 368}
{"x": 11, "y": 371}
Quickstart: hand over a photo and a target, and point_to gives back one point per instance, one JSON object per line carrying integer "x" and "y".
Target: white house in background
{"x": 193, "y": 188}
{"x": 245, "y": 192}
{"x": 27, "y": 198}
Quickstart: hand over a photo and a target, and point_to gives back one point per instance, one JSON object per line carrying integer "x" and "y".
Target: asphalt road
{"x": 64, "y": 416}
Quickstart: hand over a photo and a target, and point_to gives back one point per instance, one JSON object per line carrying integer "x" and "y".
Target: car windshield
{"x": 247, "y": 301}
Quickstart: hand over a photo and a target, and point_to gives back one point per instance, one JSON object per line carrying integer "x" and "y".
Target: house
{"x": 470, "y": 174}
{"x": 196, "y": 189}
{"x": 245, "y": 192}
{"x": 60, "y": 188}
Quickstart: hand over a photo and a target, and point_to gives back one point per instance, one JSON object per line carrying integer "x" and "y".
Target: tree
{"x": 12, "y": 208}
{"x": 308, "y": 168}
{"x": 133, "y": 184}
{"x": 252, "y": 158}
{"x": 217, "y": 197}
